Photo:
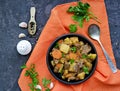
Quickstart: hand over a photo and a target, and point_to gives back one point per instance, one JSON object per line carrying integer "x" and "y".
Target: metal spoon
{"x": 94, "y": 33}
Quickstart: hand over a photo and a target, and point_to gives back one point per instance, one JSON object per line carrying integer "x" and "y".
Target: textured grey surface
{"x": 12, "y": 12}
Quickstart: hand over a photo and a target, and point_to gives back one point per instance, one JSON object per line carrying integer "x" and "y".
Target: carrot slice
{"x": 60, "y": 41}
{"x": 73, "y": 56}
{"x": 58, "y": 65}
{"x": 56, "y": 54}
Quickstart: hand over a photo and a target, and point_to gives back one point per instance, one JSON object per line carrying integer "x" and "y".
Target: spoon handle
{"x": 112, "y": 66}
{"x": 32, "y": 22}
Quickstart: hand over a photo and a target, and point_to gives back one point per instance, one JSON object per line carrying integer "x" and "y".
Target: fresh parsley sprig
{"x": 71, "y": 61}
{"x": 23, "y": 66}
{"x": 31, "y": 72}
{"x": 86, "y": 70}
{"x": 45, "y": 83}
{"x": 81, "y": 12}
{"x": 73, "y": 49}
{"x": 73, "y": 28}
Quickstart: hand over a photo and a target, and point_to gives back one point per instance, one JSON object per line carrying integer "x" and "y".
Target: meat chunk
{"x": 80, "y": 64}
{"x": 66, "y": 66}
{"x": 85, "y": 49}
{"x": 71, "y": 78}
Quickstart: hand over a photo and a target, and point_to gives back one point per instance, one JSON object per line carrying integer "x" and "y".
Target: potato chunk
{"x": 72, "y": 67}
{"x": 89, "y": 65}
{"x": 67, "y": 41}
{"x": 65, "y": 72}
{"x": 92, "y": 56}
{"x": 81, "y": 75}
{"x": 64, "y": 48}
{"x": 74, "y": 39}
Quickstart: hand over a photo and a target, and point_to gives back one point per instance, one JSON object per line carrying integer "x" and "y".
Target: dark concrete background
{"x": 12, "y": 12}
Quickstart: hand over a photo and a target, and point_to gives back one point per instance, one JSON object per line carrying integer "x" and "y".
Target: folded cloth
{"x": 102, "y": 79}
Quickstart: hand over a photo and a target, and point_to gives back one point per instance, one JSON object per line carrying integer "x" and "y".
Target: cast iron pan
{"x": 58, "y": 75}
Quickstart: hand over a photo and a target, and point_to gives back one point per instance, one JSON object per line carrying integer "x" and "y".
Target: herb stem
{"x": 92, "y": 16}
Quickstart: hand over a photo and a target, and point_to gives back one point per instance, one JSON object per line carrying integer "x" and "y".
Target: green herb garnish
{"x": 45, "y": 82}
{"x": 23, "y": 66}
{"x": 72, "y": 61}
{"x": 81, "y": 12}
{"x": 72, "y": 28}
{"x": 31, "y": 72}
{"x": 56, "y": 45}
{"x": 33, "y": 88}
{"x": 63, "y": 55}
{"x": 73, "y": 49}
{"x": 85, "y": 69}
{"x": 84, "y": 56}
{"x": 47, "y": 89}
{"x": 38, "y": 89}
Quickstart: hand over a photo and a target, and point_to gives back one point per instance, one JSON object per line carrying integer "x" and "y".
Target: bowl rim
{"x": 67, "y": 35}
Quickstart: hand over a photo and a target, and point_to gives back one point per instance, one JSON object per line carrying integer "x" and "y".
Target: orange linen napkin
{"x": 103, "y": 79}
